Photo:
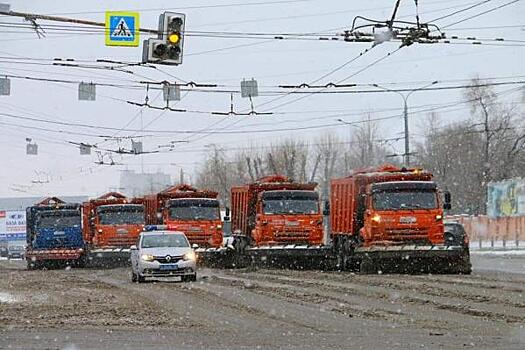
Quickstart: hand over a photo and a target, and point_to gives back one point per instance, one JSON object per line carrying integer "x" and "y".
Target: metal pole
{"x": 407, "y": 139}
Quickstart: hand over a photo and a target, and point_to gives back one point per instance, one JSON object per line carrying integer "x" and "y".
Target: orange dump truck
{"x": 111, "y": 225}
{"x": 388, "y": 218}
{"x": 187, "y": 209}
{"x": 276, "y": 217}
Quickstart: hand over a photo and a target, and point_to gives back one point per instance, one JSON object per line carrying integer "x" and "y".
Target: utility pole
{"x": 366, "y": 149}
{"x": 406, "y": 154}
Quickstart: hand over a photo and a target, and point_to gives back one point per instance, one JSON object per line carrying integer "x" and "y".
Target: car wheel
{"x": 140, "y": 279}
{"x": 133, "y": 277}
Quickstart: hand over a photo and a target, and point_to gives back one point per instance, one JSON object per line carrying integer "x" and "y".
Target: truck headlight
{"x": 191, "y": 256}
{"x": 376, "y": 218}
{"x": 148, "y": 257}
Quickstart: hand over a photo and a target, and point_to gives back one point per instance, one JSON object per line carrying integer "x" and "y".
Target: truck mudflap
{"x": 413, "y": 259}
{"x": 54, "y": 254}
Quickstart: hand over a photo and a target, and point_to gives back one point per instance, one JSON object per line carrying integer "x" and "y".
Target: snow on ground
{"x": 8, "y": 298}
{"x": 499, "y": 252}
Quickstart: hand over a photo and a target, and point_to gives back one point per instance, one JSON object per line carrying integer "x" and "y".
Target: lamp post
{"x": 368, "y": 133}
{"x": 405, "y": 114}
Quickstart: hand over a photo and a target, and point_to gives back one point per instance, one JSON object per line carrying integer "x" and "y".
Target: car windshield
{"x": 290, "y": 206}
{"x": 164, "y": 240}
{"x": 194, "y": 210}
{"x": 57, "y": 220}
{"x": 121, "y": 215}
{"x": 399, "y": 200}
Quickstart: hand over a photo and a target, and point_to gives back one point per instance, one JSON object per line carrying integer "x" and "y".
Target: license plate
{"x": 408, "y": 220}
{"x": 169, "y": 267}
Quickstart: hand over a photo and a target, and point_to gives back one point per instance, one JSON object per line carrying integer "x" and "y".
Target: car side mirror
{"x": 195, "y": 246}
{"x": 133, "y": 247}
{"x": 447, "y": 205}
{"x": 326, "y": 209}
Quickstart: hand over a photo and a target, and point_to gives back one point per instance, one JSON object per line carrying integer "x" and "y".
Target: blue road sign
{"x": 122, "y": 28}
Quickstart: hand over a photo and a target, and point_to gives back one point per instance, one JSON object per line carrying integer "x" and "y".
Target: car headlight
{"x": 148, "y": 257}
{"x": 191, "y": 256}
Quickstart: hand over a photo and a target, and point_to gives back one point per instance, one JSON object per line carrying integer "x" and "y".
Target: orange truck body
{"x": 205, "y": 232}
{"x": 250, "y": 219}
{"x": 353, "y": 211}
{"x": 99, "y": 234}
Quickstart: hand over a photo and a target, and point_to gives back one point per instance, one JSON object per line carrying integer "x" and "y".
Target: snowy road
{"x": 242, "y": 309}
{"x": 512, "y": 262}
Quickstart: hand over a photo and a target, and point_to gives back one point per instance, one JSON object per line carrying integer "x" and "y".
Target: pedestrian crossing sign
{"x": 122, "y": 28}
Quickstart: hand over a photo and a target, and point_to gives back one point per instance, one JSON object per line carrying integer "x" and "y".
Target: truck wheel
{"x": 31, "y": 265}
{"x": 367, "y": 266}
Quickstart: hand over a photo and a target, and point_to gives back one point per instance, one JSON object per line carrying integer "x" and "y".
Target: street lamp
{"x": 405, "y": 113}
{"x": 368, "y": 141}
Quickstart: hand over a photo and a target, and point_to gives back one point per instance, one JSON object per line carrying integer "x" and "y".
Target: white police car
{"x": 162, "y": 253}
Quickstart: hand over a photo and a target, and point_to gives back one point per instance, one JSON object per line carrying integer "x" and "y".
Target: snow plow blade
{"x": 109, "y": 257}
{"x": 40, "y": 258}
{"x": 413, "y": 259}
{"x": 223, "y": 257}
{"x": 318, "y": 257}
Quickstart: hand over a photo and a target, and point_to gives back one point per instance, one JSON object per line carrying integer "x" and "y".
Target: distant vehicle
{"x": 187, "y": 209}
{"x": 163, "y": 253}
{"x": 3, "y": 251}
{"x": 111, "y": 224}
{"x": 16, "y": 251}
{"x": 455, "y": 234}
{"x": 54, "y": 234}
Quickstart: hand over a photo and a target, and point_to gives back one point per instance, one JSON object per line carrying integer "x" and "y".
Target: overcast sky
{"x": 206, "y": 60}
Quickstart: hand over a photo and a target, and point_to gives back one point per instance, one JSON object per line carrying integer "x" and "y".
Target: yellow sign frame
{"x": 110, "y": 27}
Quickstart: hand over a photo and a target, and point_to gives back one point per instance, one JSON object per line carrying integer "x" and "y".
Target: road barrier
{"x": 486, "y": 232}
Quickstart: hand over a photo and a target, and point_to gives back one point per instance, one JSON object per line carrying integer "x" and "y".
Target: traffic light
{"x": 167, "y": 49}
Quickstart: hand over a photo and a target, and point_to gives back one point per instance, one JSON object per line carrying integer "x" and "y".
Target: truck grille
{"x": 407, "y": 234}
{"x": 199, "y": 238}
{"x": 121, "y": 241}
{"x": 286, "y": 236}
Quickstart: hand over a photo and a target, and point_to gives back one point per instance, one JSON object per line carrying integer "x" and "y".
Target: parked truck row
{"x": 379, "y": 219}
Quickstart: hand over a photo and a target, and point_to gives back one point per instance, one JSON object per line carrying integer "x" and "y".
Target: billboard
{"x": 506, "y": 198}
{"x": 12, "y": 224}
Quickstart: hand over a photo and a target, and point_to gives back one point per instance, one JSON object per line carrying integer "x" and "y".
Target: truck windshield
{"x": 186, "y": 209}
{"x": 164, "y": 240}
{"x": 121, "y": 215}
{"x": 58, "y": 220}
{"x": 290, "y": 206}
{"x": 399, "y": 200}
{"x": 290, "y": 202}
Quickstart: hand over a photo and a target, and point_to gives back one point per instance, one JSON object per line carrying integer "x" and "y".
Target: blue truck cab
{"x": 54, "y": 233}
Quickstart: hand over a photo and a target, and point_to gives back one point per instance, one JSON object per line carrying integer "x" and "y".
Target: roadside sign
{"x": 122, "y": 28}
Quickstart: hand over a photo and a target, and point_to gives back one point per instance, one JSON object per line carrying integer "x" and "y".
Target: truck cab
{"x": 111, "y": 224}
{"x": 274, "y": 210}
{"x": 198, "y": 218}
{"x": 399, "y": 212}
{"x": 288, "y": 216}
{"x": 53, "y": 232}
